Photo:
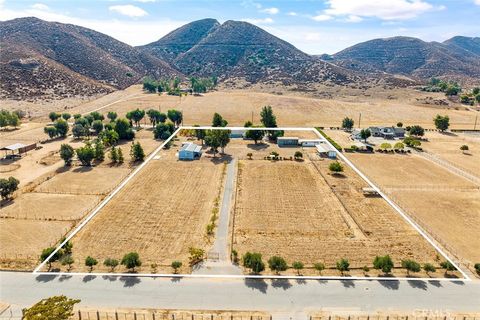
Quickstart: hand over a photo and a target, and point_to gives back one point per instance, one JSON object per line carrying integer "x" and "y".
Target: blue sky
{"x": 314, "y": 26}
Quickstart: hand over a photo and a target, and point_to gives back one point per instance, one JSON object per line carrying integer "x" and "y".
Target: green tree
{"x": 54, "y": 116}
{"x": 412, "y": 142}
{"x": 62, "y": 127}
{"x": 335, "y": 167}
{"x": 365, "y": 134}
{"x": 46, "y": 253}
{"x": 124, "y": 129}
{"x": 136, "y": 152}
{"x": 441, "y": 123}
{"x": 428, "y": 267}
{"x": 343, "y": 266}
{"x": 97, "y": 115}
{"x": 109, "y": 137}
{"x": 399, "y": 146}
{"x": 50, "y": 131}
{"x": 176, "y": 265}
{"x": 417, "y": 131}
{"x": 163, "y": 130}
{"x": 297, "y": 265}
{"x": 255, "y": 135}
{"x": 66, "y": 153}
{"x": 66, "y": 116}
{"x": 77, "y": 116}
{"x": 448, "y": 266}
{"x": 120, "y": 156}
{"x": 386, "y": 146}
{"x": 452, "y": 89}
{"x": 136, "y": 116}
{"x": 253, "y": 261}
{"x": 383, "y": 263}
{"x": 8, "y": 187}
{"x": 218, "y": 121}
{"x": 464, "y": 148}
{"x": 267, "y": 117}
{"x": 97, "y": 125}
{"x": 111, "y": 263}
{"x": 90, "y": 262}
{"x": 79, "y": 131}
{"x": 347, "y": 123}
{"x": 250, "y": 155}
{"x": 175, "y": 116}
{"x": 53, "y": 308}
{"x": 399, "y": 124}
{"x": 277, "y": 264}
{"x": 67, "y": 260}
{"x": 298, "y": 155}
{"x": 411, "y": 266}
{"x": 113, "y": 155}
{"x": 156, "y": 117}
{"x": 85, "y": 154}
{"x": 112, "y": 116}
{"x": 196, "y": 255}
{"x": 319, "y": 266}
{"x": 200, "y": 134}
{"x": 131, "y": 260}
{"x": 99, "y": 151}
{"x": 217, "y": 139}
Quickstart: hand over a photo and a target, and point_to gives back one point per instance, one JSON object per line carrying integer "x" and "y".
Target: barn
{"x": 287, "y": 141}
{"x": 325, "y": 150}
{"x": 190, "y": 151}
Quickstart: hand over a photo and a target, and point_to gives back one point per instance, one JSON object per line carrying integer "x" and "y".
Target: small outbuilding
{"x": 237, "y": 134}
{"x": 326, "y": 151}
{"x": 190, "y": 151}
{"x": 17, "y": 149}
{"x": 309, "y": 142}
{"x": 287, "y": 141}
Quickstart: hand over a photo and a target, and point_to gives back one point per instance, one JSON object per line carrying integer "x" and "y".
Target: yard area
{"x": 303, "y": 213}
{"x": 448, "y": 205}
{"x": 160, "y": 214}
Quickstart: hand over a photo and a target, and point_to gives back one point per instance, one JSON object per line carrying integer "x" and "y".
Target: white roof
{"x": 323, "y": 147}
{"x": 287, "y": 138}
{"x": 191, "y": 147}
{"x": 14, "y": 147}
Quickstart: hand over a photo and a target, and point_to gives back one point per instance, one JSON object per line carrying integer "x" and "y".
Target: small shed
{"x": 17, "y": 149}
{"x": 309, "y": 142}
{"x": 190, "y": 151}
{"x": 324, "y": 150}
{"x": 287, "y": 141}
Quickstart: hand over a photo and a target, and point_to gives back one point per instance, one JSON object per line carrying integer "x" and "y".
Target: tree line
{"x": 10, "y": 119}
{"x": 172, "y": 85}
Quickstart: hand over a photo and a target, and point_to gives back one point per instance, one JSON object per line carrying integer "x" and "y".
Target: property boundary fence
{"x": 396, "y": 317}
{"x": 154, "y": 315}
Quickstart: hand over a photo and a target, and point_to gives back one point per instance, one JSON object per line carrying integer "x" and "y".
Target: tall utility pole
{"x": 475, "y": 125}
{"x": 359, "y": 119}
{"x": 252, "y": 116}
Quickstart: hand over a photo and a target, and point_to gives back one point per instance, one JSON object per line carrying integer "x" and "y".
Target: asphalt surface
{"x": 291, "y": 296}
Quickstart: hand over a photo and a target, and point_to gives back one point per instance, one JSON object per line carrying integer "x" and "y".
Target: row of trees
{"x": 172, "y": 85}
{"x": 254, "y": 262}
{"x": 450, "y": 88}
{"x": 96, "y": 151}
{"x": 471, "y": 97}
{"x": 8, "y": 118}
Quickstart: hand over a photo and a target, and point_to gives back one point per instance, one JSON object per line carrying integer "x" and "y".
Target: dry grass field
{"x": 448, "y": 205}
{"x": 83, "y": 180}
{"x": 22, "y": 241}
{"x": 162, "y": 212}
{"x": 300, "y": 212}
{"x": 238, "y": 106}
{"x": 447, "y": 147}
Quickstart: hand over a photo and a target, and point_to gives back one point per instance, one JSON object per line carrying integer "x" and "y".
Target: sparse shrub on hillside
{"x": 441, "y": 122}
{"x": 319, "y": 266}
{"x": 196, "y": 255}
{"x": 428, "y": 267}
{"x": 90, "y": 262}
{"x": 411, "y": 266}
{"x": 8, "y": 187}
{"x": 111, "y": 263}
{"x": 297, "y": 265}
{"x": 335, "y": 167}
{"x": 343, "y": 265}
{"x": 253, "y": 261}
{"x": 277, "y": 264}
{"x": 176, "y": 265}
{"x": 448, "y": 266}
{"x": 131, "y": 260}
{"x": 383, "y": 263}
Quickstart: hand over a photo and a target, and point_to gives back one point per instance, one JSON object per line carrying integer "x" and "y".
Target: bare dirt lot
{"x": 299, "y": 211}
{"x": 23, "y": 240}
{"x": 162, "y": 212}
{"x": 446, "y": 205}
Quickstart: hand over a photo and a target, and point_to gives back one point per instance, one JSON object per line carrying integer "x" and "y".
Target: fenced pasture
{"x": 442, "y": 203}
{"x": 298, "y": 210}
{"x": 160, "y": 214}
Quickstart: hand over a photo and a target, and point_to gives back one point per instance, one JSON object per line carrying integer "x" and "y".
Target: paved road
{"x": 23, "y": 289}
{"x": 221, "y": 237}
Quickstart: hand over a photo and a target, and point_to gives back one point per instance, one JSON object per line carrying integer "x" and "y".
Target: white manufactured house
{"x": 294, "y": 141}
{"x": 324, "y": 149}
{"x": 190, "y": 151}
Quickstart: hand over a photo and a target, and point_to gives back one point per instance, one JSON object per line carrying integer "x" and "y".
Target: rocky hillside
{"x": 55, "y": 60}
{"x": 456, "y": 58}
{"x": 181, "y": 40}
{"x": 240, "y": 50}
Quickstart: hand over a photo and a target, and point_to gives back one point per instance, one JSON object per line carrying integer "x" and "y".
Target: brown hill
{"x": 240, "y": 50}
{"x": 65, "y": 60}
{"x": 411, "y": 57}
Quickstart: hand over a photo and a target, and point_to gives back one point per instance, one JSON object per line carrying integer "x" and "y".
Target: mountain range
{"x": 49, "y": 59}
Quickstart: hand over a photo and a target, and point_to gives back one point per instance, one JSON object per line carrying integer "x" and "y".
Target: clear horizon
{"x": 315, "y": 27}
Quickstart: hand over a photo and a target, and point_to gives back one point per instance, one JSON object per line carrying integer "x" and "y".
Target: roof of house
{"x": 323, "y": 147}
{"x": 191, "y": 147}
{"x": 287, "y": 138}
{"x": 14, "y": 147}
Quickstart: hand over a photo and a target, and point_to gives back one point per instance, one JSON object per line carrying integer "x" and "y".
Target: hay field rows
{"x": 162, "y": 212}
{"x": 445, "y": 204}
{"x": 296, "y": 210}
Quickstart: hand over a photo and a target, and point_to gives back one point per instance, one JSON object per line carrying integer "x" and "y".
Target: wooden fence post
{"x": 79, "y": 315}
{"x": 116, "y": 315}
{"x": 134, "y": 315}
{"x": 98, "y": 315}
